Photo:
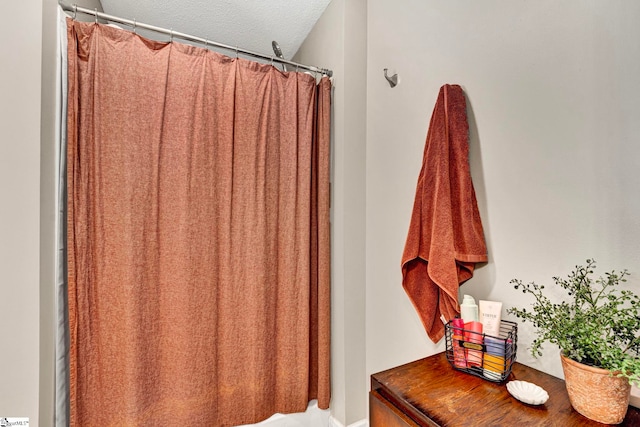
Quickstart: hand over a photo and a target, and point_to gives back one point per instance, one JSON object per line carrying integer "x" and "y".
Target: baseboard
{"x": 335, "y": 423}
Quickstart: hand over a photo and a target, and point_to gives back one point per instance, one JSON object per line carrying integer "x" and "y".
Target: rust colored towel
{"x": 445, "y": 238}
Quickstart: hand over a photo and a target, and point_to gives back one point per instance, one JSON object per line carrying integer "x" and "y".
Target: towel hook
{"x": 393, "y": 80}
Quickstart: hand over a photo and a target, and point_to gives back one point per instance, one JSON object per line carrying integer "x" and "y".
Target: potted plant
{"x": 597, "y": 329}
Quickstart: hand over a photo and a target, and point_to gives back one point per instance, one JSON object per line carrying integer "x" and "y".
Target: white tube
{"x": 490, "y": 313}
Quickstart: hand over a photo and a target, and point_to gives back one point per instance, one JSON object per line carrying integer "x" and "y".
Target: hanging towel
{"x": 445, "y": 238}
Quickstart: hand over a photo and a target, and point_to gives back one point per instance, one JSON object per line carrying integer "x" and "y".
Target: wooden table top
{"x": 430, "y": 390}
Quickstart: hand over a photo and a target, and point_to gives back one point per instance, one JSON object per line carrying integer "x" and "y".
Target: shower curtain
{"x": 198, "y": 234}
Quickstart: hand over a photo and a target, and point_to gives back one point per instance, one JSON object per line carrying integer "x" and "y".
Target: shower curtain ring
{"x": 237, "y": 56}
{"x": 171, "y": 35}
{"x": 135, "y": 26}
{"x": 96, "y": 14}
{"x": 75, "y": 11}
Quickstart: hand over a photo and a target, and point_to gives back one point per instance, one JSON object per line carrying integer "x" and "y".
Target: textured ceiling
{"x": 248, "y": 24}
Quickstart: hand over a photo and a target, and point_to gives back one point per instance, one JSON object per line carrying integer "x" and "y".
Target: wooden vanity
{"x": 429, "y": 392}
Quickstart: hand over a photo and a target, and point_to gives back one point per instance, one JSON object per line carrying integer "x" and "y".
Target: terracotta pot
{"x": 595, "y": 393}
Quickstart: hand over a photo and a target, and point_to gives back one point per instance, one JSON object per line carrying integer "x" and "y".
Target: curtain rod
{"x": 100, "y": 15}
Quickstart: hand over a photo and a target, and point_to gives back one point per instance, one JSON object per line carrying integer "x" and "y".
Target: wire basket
{"x": 485, "y": 356}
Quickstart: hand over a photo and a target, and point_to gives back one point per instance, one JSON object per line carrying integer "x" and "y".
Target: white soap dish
{"x": 527, "y": 392}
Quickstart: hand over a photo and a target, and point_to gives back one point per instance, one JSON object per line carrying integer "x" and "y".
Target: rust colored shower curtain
{"x": 198, "y": 234}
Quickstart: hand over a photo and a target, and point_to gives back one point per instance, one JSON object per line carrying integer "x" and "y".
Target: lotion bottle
{"x": 469, "y": 309}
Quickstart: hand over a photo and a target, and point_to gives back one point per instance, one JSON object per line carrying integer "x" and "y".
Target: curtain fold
{"x": 198, "y": 234}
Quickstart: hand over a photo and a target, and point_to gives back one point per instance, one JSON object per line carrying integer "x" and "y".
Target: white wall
{"x": 553, "y": 90}
{"x": 19, "y": 208}
{"x": 338, "y": 42}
